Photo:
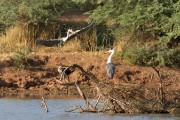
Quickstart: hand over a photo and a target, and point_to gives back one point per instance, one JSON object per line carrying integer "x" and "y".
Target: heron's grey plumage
{"x": 110, "y": 67}
{"x": 110, "y": 70}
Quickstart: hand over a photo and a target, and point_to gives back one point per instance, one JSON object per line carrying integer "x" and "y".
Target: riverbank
{"x": 40, "y": 76}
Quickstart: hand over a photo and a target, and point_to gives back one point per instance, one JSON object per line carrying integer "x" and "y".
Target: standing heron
{"x": 110, "y": 67}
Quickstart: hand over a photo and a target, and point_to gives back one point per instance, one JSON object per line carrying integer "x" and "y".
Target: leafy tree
{"x": 138, "y": 15}
{"x": 145, "y": 18}
{"x": 8, "y": 12}
{"x": 34, "y": 11}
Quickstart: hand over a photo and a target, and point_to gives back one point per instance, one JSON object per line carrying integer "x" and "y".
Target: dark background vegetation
{"x": 143, "y": 29}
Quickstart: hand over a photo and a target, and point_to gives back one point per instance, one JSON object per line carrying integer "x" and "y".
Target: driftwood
{"x": 63, "y": 76}
{"x": 123, "y": 98}
{"x": 160, "y": 93}
{"x": 111, "y": 104}
{"x": 85, "y": 99}
{"x": 43, "y": 104}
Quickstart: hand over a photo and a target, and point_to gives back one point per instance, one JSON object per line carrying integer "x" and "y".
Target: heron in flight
{"x": 110, "y": 67}
{"x": 61, "y": 41}
{"x": 69, "y": 33}
{"x": 73, "y": 33}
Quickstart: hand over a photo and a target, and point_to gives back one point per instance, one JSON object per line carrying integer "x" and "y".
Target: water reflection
{"x": 29, "y": 109}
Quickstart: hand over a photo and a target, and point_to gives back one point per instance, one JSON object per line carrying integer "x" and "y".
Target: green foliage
{"x": 147, "y": 55}
{"x": 137, "y": 54}
{"x": 142, "y": 19}
{"x": 21, "y": 56}
{"x": 125, "y": 16}
{"x": 33, "y": 11}
{"x": 8, "y": 11}
{"x": 172, "y": 57}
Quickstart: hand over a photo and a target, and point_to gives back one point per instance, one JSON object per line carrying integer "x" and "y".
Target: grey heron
{"x": 65, "y": 72}
{"x": 73, "y": 33}
{"x": 69, "y": 32}
{"x": 110, "y": 67}
{"x": 61, "y": 41}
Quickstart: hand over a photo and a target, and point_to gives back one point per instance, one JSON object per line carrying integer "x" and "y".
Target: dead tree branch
{"x": 120, "y": 99}
{"x": 84, "y": 98}
{"x": 43, "y": 104}
{"x": 110, "y": 102}
{"x": 160, "y": 96}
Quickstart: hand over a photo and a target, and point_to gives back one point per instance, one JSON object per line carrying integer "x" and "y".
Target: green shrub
{"x": 137, "y": 54}
{"x": 150, "y": 55}
{"x": 172, "y": 58}
{"x": 21, "y": 56}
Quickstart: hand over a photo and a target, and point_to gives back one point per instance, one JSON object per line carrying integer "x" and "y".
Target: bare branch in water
{"x": 43, "y": 104}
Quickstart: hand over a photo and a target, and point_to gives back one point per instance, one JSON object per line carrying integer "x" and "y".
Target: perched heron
{"x": 110, "y": 67}
{"x": 65, "y": 72}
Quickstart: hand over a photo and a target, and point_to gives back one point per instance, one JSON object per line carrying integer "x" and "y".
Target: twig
{"x": 97, "y": 101}
{"x": 43, "y": 104}
{"x": 71, "y": 110}
{"x": 160, "y": 88}
{"x": 84, "y": 98}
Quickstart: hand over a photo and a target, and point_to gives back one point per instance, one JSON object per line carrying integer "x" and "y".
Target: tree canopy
{"x": 144, "y": 15}
{"x": 121, "y": 15}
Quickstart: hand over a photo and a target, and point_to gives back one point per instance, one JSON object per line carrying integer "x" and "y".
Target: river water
{"x": 30, "y": 109}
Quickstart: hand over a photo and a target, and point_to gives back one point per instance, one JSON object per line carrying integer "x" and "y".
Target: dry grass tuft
{"x": 15, "y": 37}
{"x": 73, "y": 45}
{"x": 23, "y": 35}
{"x": 121, "y": 42}
{"x": 89, "y": 40}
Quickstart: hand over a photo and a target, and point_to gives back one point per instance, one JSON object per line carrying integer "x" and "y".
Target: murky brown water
{"x": 25, "y": 108}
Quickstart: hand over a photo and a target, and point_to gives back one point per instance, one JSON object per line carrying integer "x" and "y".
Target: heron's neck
{"x": 68, "y": 33}
{"x": 65, "y": 38}
{"x": 109, "y": 60}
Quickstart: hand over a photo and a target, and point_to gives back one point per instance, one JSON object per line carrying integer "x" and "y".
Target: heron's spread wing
{"x": 74, "y": 34}
{"x": 78, "y": 32}
{"x": 48, "y": 43}
{"x": 110, "y": 70}
{"x": 60, "y": 41}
